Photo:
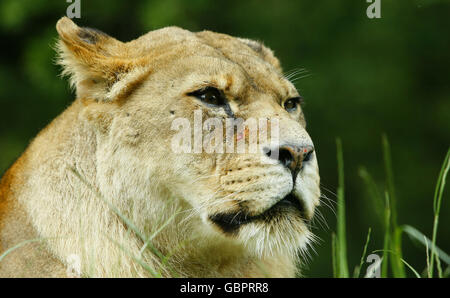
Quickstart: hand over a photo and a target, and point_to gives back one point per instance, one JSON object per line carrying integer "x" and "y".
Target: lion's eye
{"x": 210, "y": 95}
{"x": 292, "y": 104}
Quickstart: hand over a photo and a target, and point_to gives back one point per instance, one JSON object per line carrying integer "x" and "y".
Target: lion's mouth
{"x": 290, "y": 200}
{"x": 230, "y": 222}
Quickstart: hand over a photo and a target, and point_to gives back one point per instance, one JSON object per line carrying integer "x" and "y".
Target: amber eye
{"x": 291, "y": 105}
{"x": 210, "y": 95}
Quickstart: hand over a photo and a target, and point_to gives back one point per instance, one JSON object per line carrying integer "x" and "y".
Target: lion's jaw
{"x": 201, "y": 199}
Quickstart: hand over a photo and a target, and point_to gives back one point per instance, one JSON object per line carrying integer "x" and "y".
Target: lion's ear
{"x": 95, "y": 62}
{"x": 263, "y": 51}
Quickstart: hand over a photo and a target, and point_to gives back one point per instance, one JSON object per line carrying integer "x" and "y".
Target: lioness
{"x": 102, "y": 185}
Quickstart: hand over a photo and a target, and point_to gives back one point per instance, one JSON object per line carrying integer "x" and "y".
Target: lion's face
{"x": 263, "y": 199}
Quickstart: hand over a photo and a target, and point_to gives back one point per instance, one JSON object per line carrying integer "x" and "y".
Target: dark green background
{"x": 367, "y": 76}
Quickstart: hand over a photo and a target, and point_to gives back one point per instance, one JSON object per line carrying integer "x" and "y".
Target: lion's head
{"x": 134, "y": 93}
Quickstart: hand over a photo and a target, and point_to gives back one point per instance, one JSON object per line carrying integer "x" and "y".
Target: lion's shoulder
{"x": 27, "y": 256}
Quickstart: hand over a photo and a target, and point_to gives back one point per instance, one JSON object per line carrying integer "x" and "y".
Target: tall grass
{"x": 398, "y": 268}
{"x": 340, "y": 249}
{"x": 438, "y": 193}
{"x": 386, "y": 207}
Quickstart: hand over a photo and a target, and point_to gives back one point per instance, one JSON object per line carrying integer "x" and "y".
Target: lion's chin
{"x": 284, "y": 235}
{"x": 281, "y": 229}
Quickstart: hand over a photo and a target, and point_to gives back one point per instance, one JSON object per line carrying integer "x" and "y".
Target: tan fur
{"x": 110, "y": 153}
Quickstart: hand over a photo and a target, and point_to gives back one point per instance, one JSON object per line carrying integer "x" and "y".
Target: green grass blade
{"x": 150, "y": 239}
{"x": 390, "y": 178}
{"x": 387, "y": 236}
{"x": 19, "y": 245}
{"x": 439, "y": 267}
{"x": 398, "y": 268}
{"x": 373, "y": 191}
{"x": 441, "y": 183}
{"x": 138, "y": 260}
{"x": 428, "y": 256}
{"x": 446, "y": 273}
{"x": 112, "y": 207}
{"x": 418, "y": 236}
{"x": 334, "y": 256}
{"x": 439, "y": 190}
{"x": 382, "y": 205}
{"x": 341, "y": 233}
{"x": 411, "y": 268}
{"x": 363, "y": 256}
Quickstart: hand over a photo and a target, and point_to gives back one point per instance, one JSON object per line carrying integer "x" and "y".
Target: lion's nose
{"x": 292, "y": 156}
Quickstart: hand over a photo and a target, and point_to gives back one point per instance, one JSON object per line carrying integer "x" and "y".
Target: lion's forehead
{"x": 241, "y": 59}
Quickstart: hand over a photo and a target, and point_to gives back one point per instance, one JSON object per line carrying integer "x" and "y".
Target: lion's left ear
{"x": 263, "y": 51}
{"x": 96, "y": 63}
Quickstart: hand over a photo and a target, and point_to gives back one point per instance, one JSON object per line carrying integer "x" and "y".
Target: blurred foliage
{"x": 367, "y": 76}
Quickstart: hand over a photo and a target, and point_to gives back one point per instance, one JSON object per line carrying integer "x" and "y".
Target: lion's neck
{"x": 221, "y": 259}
